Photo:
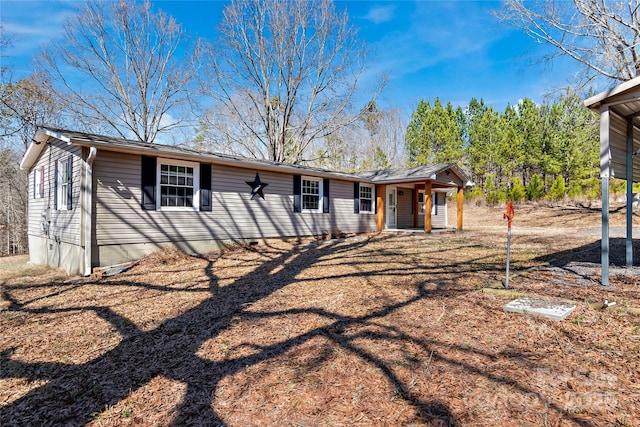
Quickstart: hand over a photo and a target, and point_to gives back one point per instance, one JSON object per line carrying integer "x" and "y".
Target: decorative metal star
{"x": 256, "y": 187}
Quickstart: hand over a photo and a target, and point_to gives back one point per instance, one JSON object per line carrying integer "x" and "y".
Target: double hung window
{"x": 311, "y": 193}
{"x": 434, "y": 203}
{"x": 63, "y": 183}
{"x": 178, "y": 184}
{"x": 38, "y": 183}
{"x": 366, "y": 198}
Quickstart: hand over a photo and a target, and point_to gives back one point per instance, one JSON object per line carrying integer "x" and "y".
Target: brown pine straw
{"x": 372, "y": 330}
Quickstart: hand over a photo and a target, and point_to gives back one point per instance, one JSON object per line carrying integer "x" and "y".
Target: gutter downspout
{"x": 88, "y": 209}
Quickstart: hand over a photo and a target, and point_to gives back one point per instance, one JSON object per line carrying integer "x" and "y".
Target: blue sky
{"x": 454, "y": 50}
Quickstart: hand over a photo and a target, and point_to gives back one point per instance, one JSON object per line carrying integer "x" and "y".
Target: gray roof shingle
{"x": 415, "y": 174}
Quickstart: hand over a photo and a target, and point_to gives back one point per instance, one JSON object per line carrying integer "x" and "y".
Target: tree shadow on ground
{"x": 73, "y": 394}
{"x": 598, "y": 209}
{"x": 591, "y": 253}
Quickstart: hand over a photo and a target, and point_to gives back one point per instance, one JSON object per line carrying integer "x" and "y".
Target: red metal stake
{"x": 508, "y": 215}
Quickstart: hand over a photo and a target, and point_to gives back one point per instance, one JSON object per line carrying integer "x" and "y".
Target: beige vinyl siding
{"x": 449, "y": 179}
{"x": 117, "y": 212}
{"x": 618, "y": 145}
{"x": 439, "y": 218}
{"x": 342, "y": 207}
{"x": 120, "y": 219}
{"x": 405, "y": 212}
{"x": 403, "y": 208}
{"x": 65, "y": 224}
{"x": 38, "y": 206}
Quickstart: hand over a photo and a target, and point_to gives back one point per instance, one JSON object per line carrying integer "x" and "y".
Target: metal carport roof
{"x": 619, "y": 110}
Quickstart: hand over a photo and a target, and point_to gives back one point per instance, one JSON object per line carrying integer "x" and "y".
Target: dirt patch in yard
{"x": 379, "y": 329}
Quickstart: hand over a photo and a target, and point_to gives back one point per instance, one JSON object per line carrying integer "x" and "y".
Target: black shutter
{"x": 205, "y": 187}
{"x": 297, "y": 193}
{"x": 69, "y": 181}
{"x": 55, "y": 185}
{"x": 356, "y": 197}
{"x": 325, "y": 195}
{"x": 148, "y": 182}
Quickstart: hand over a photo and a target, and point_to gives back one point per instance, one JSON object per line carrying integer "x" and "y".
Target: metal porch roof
{"x": 619, "y": 110}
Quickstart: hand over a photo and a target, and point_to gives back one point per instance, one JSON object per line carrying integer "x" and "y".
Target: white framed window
{"x": 178, "y": 185}
{"x": 367, "y": 203}
{"x": 311, "y": 194}
{"x": 63, "y": 175}
{"x": 434, "y": 203}
{"x": 38, "y": 183}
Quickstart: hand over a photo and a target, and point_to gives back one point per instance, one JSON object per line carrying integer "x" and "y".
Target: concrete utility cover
{"x": 556, "y": 310}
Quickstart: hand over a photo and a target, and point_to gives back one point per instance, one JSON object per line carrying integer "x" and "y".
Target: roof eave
{"x": 604, "y": 98}
{"x": 432, "y": 177}
{"x": 43, "y": 135}
{"x": 37, "y": 145}
{"x": 243, "y": 163}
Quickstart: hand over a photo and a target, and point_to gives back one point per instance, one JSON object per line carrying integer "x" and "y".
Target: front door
{"x": 392, "y": 221}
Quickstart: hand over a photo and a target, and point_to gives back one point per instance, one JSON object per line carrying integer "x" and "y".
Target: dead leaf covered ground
{"x": 374, "y": 330}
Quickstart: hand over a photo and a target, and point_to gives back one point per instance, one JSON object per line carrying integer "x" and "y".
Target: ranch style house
{"x": 96, "y": 201}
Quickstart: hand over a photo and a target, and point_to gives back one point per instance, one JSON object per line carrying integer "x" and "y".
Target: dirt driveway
{"x": 380, "y": 329}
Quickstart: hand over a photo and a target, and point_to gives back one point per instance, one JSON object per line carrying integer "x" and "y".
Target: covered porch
{"x": 416, "y": 198}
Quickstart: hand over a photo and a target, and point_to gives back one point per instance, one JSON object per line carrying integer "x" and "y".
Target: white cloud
{"x": 30, "y": 25}
{"x": 454, "y": 50}
{"x": 380, "y": 14}
{"x": 438, "y": 33}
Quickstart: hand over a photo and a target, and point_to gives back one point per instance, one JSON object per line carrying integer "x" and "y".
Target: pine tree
{"x": 435, "y": 135}
{"x": 482, "y": 148}
{"x": 416, "y": 146}
{"x": 529, "y": 129}
{"x": 517, "y": 192}
{"x": 558, "y": 189}
{"x": 510, "y": 155}
{"x": 535, "y": 188}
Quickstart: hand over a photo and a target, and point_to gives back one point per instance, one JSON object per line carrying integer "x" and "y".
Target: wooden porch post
{"x": 380, "y": 207}
{"x": 460, "y": 204}
{"x": 427, "y": 207}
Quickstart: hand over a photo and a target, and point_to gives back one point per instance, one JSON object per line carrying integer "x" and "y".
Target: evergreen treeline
{"x": 527, "y": 152}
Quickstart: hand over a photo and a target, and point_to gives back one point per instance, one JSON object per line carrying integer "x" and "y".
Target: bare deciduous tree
{"x": 603, "y": 36}
{"x": 26, "y": 105}
{"x": 13, "y": 204}
{"x": 385, "y": 133}
{"x": 5, "y": 42}
{"x": 121, "y": 63}
{"x": 284, "y": 74}
{"x": 376, "y": 141}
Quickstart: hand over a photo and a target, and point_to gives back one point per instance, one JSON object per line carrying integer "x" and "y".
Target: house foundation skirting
{"x": 56, "y": 254}
{"x": 108, "y": 255}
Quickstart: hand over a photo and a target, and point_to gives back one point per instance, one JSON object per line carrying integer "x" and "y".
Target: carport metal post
{"x": 605, "y": 170}
{"x": 629, "y": 171}
{"x": 604, "y": 258}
